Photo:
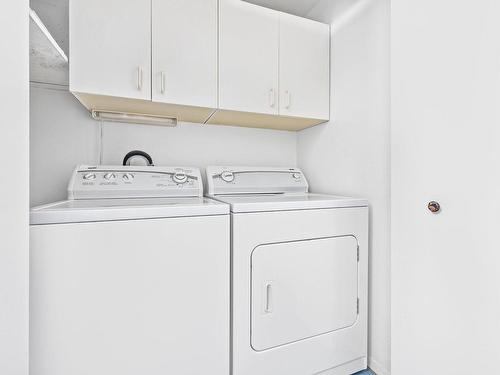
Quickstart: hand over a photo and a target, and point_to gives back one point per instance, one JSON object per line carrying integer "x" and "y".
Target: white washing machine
{"x": 130, "y": 276}
{"x": 299, "y": 274}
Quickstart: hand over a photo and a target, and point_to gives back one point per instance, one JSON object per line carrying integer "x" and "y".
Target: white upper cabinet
{"x": 272, "y": 63}
{"x": 185, "y": 52}
{"x": 248, "y": 57}
{"x": 224, "y": 62}
{"x": 304, "y": 68}
{"x": 110, "y": 47}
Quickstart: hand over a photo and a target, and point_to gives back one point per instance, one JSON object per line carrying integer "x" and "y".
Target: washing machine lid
{"x": 95, "y": 210}
{"x": 286, "y": 202}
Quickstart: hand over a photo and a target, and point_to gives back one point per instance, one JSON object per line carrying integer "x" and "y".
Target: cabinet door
{"x": 110, "y": 47}
{"x": 304, "y": 68}
{"x": 248, "y": 60}
{"x": 185, "y": 52}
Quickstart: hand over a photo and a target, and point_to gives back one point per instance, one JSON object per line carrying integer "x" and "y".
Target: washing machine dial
{"x": 180, "y": 177}
{"x": 109, "y": 176}
{"x": 128, "y": 176}
{"x": 227, "y": 176}
{"x": 89, "y": 176}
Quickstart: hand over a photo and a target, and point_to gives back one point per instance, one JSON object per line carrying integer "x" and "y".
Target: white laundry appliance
{"x": 299, "y": 274}
{"x": 130, "y": 276}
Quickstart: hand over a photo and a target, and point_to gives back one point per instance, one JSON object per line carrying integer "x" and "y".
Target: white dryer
{"x": 130, "y": 276}
{"x": 299, "y": 274}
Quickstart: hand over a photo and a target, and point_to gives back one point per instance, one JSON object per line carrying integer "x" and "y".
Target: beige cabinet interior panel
{"x": 110, "y": 103}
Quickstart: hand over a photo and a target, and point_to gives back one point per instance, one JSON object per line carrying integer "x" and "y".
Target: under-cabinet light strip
{"x": 136, "y": 118}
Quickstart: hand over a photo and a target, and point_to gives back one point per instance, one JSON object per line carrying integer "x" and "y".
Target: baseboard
{"x": 377, "y": 368}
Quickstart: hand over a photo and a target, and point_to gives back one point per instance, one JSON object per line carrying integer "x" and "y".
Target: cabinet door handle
{"x": 268, "y": 308}
{"x": 139, "y": 78}
{"x": 272, "y": 98}
{"x": 288, "y": 99}
{"x": 162, "y": 83}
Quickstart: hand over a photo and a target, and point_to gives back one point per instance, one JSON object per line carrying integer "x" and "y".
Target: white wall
{"x": 14, "y": 150}
{"x": 63, "y": 135}
{"x": 350, "y": 155}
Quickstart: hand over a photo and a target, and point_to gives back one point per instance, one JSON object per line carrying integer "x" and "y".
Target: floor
{"x": 366, "y": 372}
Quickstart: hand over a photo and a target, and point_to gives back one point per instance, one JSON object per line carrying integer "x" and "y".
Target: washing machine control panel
{"x": 95, "y": 182}
{"x": 223, "y": 180}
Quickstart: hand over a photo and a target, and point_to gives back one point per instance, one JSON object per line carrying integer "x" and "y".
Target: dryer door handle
{"x": 268, "y": 306}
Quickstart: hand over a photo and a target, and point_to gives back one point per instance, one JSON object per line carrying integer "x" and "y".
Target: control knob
{"x": 227, "y": 176}
{"x": 89, "y": 176}
{"x": 109, "y": 176}
{"x": 128, "y": 176}
{"x": 180, "y": 177}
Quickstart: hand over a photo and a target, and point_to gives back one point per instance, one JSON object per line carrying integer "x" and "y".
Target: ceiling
{"x": 54, "y": 14}
{"x": 297, "y": 7}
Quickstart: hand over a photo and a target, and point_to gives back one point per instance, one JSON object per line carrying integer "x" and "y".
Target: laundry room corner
{"x": 354, "y": 145}
{"x": 63, "y": 133}
{"x": 350, "y": 154}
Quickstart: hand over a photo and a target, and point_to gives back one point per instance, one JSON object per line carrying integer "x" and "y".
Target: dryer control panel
{"x": 96, "y": 182}
{"x": 255, "y": 180}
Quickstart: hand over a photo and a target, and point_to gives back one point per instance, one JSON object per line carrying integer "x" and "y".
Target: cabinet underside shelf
{"x": 182, "y": 113}
{"x": 263, "y": 121}
{"x": 193, "y": 114}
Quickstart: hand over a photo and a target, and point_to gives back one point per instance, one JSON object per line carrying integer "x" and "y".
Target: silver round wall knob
{"x": 434, "y": 207}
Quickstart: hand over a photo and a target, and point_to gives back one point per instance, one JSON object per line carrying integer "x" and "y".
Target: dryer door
{"x": 303, "y": 289}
